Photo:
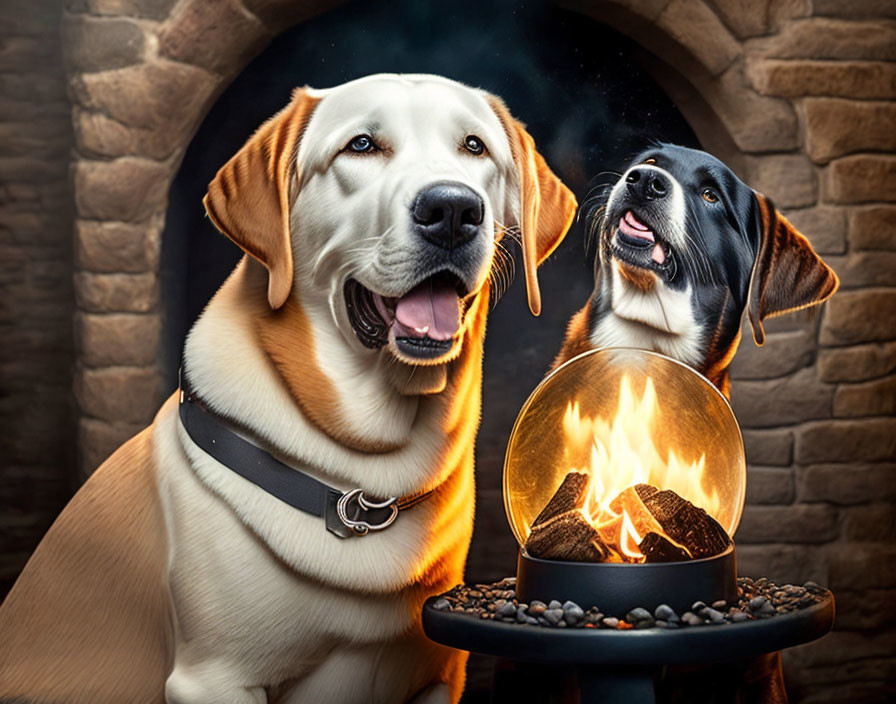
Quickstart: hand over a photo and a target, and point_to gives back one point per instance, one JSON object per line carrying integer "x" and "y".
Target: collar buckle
{"x": 352, "y": 505}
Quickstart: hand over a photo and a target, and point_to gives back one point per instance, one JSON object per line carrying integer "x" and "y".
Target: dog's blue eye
{"x": 362, "y": 143}
{"x": 710, "y": 196}
{"x": 474, "y": 145}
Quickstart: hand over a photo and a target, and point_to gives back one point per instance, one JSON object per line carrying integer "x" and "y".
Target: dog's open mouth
{"x": 424, "y": 323}
{"x": 638, "y": 244}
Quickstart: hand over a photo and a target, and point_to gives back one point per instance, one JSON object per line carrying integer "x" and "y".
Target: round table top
{"x": 691, "y": 645}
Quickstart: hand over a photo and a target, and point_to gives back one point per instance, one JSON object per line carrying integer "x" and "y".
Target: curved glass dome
{"x": 625, "y": 417}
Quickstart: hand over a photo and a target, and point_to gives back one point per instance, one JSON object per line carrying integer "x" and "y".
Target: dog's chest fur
{"x": 661, "y": 319}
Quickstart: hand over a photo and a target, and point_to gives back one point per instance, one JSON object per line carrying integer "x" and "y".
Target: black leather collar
{"x": 349, "y": 513}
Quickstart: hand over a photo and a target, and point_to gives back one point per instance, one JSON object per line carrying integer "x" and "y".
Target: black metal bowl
{"x": 618, "y": 588}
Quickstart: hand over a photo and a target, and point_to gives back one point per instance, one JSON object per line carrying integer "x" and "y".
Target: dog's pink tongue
{"x": 658, "y": 255}
{"x": 431, "y": 310}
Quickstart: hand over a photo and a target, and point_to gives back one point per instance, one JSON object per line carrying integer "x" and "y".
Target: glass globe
{"x": 625, "y": 417}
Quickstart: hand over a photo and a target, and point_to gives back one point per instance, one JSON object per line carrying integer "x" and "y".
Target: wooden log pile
{"x": 671, "y": 528}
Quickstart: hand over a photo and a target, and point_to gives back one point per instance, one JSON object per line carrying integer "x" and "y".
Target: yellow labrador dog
{"x": 345, "y": 349}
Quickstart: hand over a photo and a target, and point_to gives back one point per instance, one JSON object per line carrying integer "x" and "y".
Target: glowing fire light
{"x": 620, "y": 453}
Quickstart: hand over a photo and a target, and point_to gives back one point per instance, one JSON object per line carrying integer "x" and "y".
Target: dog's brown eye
{"x": 710, "y": 196}
{"x": 650, "y": 161}
{"x": 474, "y": 145}
{"x": 361, "y": 144}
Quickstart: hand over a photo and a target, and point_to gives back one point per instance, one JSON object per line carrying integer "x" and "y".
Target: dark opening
{"x": 577, "y": 84}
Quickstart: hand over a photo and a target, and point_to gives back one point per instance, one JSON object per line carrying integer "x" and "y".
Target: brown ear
{"x": 547, "y": 207}
{"x": 788, "y": 275}
{"x": 249, "y": 199}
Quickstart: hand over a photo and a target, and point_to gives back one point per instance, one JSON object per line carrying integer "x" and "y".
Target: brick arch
{"x": 141, "y": 82}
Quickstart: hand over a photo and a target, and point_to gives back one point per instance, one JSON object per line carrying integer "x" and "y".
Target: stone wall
{"x": 37, "y": 469}
{"x": 796, "y": 94}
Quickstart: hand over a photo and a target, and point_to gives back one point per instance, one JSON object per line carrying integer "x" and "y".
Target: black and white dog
{"x": 684, "y": 248}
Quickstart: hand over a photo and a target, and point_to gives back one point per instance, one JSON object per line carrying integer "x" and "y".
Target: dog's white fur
{"x": 661, "y": 319}
{"x": 266, "y": 604}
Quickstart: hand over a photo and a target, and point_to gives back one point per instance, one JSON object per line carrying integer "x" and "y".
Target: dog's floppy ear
{"x": 547, "y": 207}
{"x": 249, "y": 199}
{"x": 788, "y": 275}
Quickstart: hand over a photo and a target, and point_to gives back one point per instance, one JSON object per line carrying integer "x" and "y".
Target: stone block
{"x": 865, "y": 269}
{"x": 768, "y": 447}
{"x": 784, "y": 564}
{"x": 129, "y": 395}
{"x": 117, "y": 247}
{"x": 118, "y": 339}
{"x": 852, "y": 317}
{"x": 866, "y": 440}
{"x": 847, "y": 484}
{"x": 699, "y": 30}
{"x": 782, "y": 354}
{"x": 116, "y": 293}
{"x": 873, "y": 227}
{"x": 743, "y": 17}
{"x": 231, "y": 35}
{"x": 770, "y": 485}
{"x": 873, "y": 398}
{"x": 97, "y": 135}
{"x": 773, "y": 402}
{"x": 855, "y": 9}
{"x": 800, "y": 523}
{"x": 857, "y": 363}
{"x": 836, "y": 127}
{"x": 861, "y": 566}
{"x": 824, "y": 226}
{"x": 756, "y": 123}
{"x": 159, "y": 103}
{"x": 280, "y": 14}
{"x": 871, "y": 523}
{"x": 98, "y": 439}
{"x": 151, "y": 9}
{"x": 827, "y": 38}
{"x": 100, "y": 44}
{"x": 127, "y": 189}
{"x": 864, "y": 610}
{"x": 869, "y": 80}
{"x": 790, "y": 180}
{"x": 861, "y": 179}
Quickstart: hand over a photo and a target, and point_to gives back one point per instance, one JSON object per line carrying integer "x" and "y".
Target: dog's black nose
{"x": 448, "y": 214}
{"x": 647, "y": 183}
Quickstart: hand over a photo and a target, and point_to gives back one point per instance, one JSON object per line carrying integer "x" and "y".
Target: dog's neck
{"x": 289, "y": 378}
{"x": 657, "y": 318}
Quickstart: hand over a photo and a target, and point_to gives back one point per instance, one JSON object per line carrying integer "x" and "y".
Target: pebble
{"x": 664, "y": 612}
{"x": 757, "y": 603}
{"x": 507, "y": 610}
{"x": 573, "y": 614}
{"x": 691, "y": 619}
{"x": 553, "y": 616}
{"x": 640, "y": 618}
{"x": 760, "y": 598}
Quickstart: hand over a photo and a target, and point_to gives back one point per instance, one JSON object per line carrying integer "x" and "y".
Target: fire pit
{"x": 624, "y": 481}
{"x": 622, "y": 495}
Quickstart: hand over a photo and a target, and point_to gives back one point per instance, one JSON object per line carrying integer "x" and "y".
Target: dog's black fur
{"x": 733, "y": 251}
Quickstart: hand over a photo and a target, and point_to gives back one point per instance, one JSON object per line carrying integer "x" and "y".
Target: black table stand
{"x": 620, "y": 666}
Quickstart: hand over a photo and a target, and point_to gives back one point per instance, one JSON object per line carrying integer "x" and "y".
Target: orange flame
{"x": 620, "y": 453}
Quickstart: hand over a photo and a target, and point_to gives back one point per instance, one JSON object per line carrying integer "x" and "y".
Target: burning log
{"x": 569, "y": 536}
{"x": 687, "y": 524}
{"x": 569, "y": 496}
{"x": 657, "y": 548}
{"x": 665, "y": 527}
